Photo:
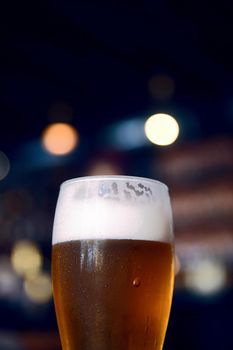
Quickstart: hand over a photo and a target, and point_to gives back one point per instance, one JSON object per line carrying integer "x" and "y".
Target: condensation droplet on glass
{"x": 137, "y": 282}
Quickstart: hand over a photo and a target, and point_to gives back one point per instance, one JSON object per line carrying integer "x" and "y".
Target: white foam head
{"x": 113, "y": 207}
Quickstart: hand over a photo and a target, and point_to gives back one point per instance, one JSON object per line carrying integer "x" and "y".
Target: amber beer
{"x": 112, "y": 289}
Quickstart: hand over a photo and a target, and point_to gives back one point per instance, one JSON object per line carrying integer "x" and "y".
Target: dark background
{"x": 98, "y": 66}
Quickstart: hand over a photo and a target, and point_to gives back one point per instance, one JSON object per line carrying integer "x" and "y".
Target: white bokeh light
{"x": 161, "y": 129}
{"x": 206, "y": 276}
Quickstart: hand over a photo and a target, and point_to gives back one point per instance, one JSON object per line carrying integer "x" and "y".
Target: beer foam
{"x": 113, "y": 210}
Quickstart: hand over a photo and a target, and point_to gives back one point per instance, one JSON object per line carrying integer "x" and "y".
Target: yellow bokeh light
{"x": 38, "y": 287}
{"x": 26, "y": 258}
{"x": 60, "y": 138}
{"x": 161, "y": 129}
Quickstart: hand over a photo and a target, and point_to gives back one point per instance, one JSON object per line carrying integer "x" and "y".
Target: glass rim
{"x": 112, "y": 177}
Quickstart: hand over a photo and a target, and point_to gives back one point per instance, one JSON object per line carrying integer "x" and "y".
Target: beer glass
{"x": 112, "y": 263}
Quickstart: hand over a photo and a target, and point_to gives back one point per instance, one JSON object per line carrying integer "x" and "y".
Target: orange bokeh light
{"x": 60, "y": 138}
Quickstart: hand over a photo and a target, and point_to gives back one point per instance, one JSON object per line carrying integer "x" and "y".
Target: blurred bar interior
{"x": 103, "y": 89}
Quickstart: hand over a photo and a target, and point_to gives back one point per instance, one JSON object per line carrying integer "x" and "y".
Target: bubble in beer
{"x": 137, "y": 282}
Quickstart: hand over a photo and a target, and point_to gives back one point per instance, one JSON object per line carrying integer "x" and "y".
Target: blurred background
{"x": 80, "y": 82}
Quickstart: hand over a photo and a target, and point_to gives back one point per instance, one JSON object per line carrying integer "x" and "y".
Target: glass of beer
{"x": 112, "y": 263}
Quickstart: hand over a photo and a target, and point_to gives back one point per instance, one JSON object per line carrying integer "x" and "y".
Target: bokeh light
{"x": 161, "y": 87}
{"x": 206, "y": 276}
{"x": 9, "y": 342}
{"x": 9, "y": 282}
{"x": 60, "y": 138}
{"x": 161, "y": 129}
{"x": 38, "y": 287}
{"x": 26, "y": 258}
{"x": 4, "y": 165}
{"x": 127, "y": 134}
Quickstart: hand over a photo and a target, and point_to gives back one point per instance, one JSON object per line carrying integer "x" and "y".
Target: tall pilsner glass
{"x": 112, "y": 263}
